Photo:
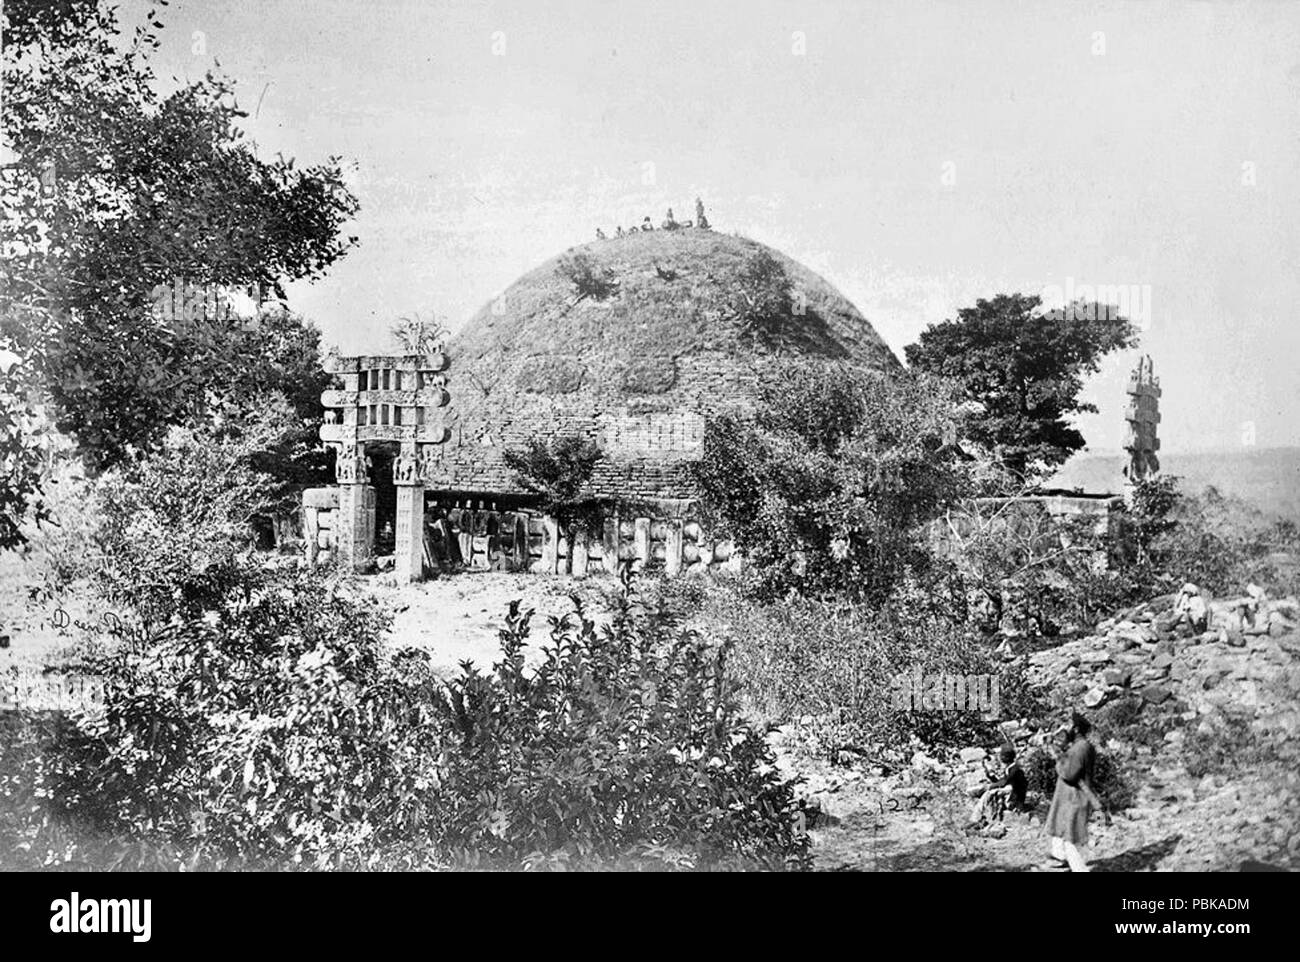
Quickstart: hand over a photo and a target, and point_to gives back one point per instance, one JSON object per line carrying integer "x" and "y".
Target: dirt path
{"x": 913, "y": 821}
{"x": 459, "y": 618}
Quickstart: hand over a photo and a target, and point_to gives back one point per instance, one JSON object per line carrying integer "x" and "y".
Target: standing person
{"x": 1074, "y": 799}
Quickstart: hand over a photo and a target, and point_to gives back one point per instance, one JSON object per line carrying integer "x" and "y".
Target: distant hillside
{"x": 1269, "y": 478}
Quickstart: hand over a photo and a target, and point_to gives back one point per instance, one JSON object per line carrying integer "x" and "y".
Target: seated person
{"x": 1007, "y": 791}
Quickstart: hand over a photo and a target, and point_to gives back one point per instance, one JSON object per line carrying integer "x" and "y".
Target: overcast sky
{"x": 919, "y": 155}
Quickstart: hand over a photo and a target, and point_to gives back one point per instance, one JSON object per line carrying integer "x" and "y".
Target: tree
{"x": 283, "y": 373}
{"x": 415, "y": 335}
{"x": 278, "y": 351}
{"x": 558, "y": 471}
{"x": 1024, "y": 371}
{"x": 113, "y": 192}
{"x": 829, "y": 485}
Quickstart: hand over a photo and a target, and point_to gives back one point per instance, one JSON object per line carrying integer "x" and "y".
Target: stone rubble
{"x": 1172, "y": 669}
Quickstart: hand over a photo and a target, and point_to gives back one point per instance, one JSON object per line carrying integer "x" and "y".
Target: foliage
{"x": 1129, "y": 719}
{"x": 1021, "y": 567}
{"x": 415, "y": 335}
{"x": 1152, "y": 514}
{"x": 259, "y": 731}
{"x": 625, "y": 741}
{"x": 1075, "y": 571}
{"x": 172, "y": 527}
{"x": 589, "y": 278}
{"x": 273, "y": 731}
{"x": 1219, "y": 543}
{"x": 839, "y": 664}
{"x": 558, "y": 470}
{"x": 253, "y": 717}
{"x": 277, "y": 392}
{"x": 278, "y": 352}
{"x": 763, "y": 302}
{"x": 22, "y": 455}
{"x": 827, "y": 486}
{"x": 1024, "y": 370}
{"x": 114, "y": 193}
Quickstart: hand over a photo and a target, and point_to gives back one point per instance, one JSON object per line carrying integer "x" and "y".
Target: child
{"x": 1007, "y": 791}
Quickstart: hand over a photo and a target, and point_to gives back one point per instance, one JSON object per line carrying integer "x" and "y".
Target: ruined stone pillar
{"x": 580, "y": 558}
{"x": 641, "y": 544}
{"x": 609, "y": 545}
{"x": 356, "y": 525}
{"x": 409, "y": 552}
{"x": 673, "y": 547}
{"x": 408, "y": 561}
{"x": 550, "y": 545}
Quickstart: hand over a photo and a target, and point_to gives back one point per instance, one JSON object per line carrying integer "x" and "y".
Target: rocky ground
{"x": 1200, "y": 717}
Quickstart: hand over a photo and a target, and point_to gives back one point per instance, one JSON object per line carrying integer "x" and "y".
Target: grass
{"x": 647, "y": 320}
{"x": 664, "y": 340}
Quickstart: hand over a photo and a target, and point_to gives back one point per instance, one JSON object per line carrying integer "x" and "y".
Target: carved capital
{"x": 408, "y": 469}
{"x": 351, "y": 470}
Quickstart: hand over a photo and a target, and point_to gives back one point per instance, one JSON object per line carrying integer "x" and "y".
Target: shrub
{"x": 589, "y": 279}
{"x": 1114, "y": 785}
{"x": 1161, "y": 540}
{"x": 413, "y": 334}
{"x": 838, "y": 664}
{"x": 274, "y": 731}
{"x": 625, "y": 745}
{"x": 264, "y": 731}
{"x": 764, "y": 304}
{"x": 171, "y": 527}
{"x": 1111, "y": 783}
{"x": 557, "y": 470}
{"x": 1039, "y": 766}
{"x": 1222, "y": 544}
{"x": 1130, "y": 720}
{"x": 22, "y": 454}
{"x": 828, "y": 487}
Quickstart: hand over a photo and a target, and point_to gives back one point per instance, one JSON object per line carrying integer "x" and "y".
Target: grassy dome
{"x": 659, "y": 332}
{"x": 672, "y": 298}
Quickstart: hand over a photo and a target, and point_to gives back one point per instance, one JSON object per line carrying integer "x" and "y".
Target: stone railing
{"x": 460, "y": 533}
{"x": 466, "y": 533}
